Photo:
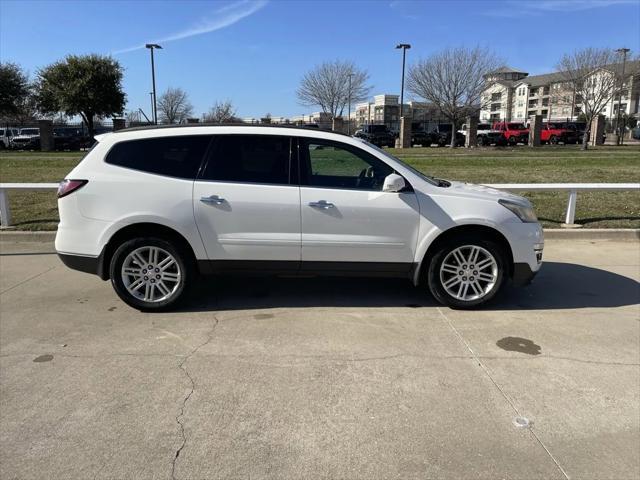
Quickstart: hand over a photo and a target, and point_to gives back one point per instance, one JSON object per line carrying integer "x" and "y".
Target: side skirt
{"x": 305, "y": 269}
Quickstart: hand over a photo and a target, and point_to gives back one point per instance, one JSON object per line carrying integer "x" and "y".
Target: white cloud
{"x": 221, "y": 18}
{"x": 515, "y": 8}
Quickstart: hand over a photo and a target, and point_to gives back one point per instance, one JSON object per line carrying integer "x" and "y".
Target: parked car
{"x": 378, "y": 135}
{"x": 635, "y": 133}
{"x": 580, "y": 129}
{"x": 513, "y": 132}
{"x": 557, "y": 132}
{"x": 421, "y": 137}
{"x": 6, "y": 135}
{"x": 442, "y": 135}
{"x": 152, "y": 208}
{"x": 486, "y": 135}
{"x": 70, "y": 138}
{"x": 27, "y": 139}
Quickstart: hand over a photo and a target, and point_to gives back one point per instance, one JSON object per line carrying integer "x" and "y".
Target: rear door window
{"x": 264, "y": 159}
{"x": 178, "y": 156}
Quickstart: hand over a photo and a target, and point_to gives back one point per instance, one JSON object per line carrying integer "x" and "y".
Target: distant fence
{"x": 570, "y": 215}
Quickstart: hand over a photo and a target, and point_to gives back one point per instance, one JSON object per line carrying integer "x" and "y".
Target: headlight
{"x": 523, "y": 212}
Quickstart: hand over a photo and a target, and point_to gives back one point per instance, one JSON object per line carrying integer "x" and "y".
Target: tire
{"x": 553, "y": 140}
{"x": 481, "y": 141}
{"x": 174, "y": 276}
{"x": 466, "y": 294}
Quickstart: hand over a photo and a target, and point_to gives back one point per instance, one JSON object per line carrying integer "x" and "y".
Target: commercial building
{"x": 514, "y": 95}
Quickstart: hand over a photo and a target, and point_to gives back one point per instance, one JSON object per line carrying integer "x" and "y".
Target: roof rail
{"x": 261, "y": 125}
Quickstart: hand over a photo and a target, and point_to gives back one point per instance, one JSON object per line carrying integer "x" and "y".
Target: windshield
{"x": 377, "y": 128}
{"x": 555, "y": 125}
{"x": 516, "y": 126}
{"x": 484, "y": 126}
{"x": 427, "y": 178}
{"x": 29, "y": 131}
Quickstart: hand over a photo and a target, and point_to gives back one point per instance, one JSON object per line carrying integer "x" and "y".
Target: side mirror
{"x": 393, "y": 183}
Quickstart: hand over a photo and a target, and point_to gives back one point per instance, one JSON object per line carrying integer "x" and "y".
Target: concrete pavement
{"x": 322, "y": 378}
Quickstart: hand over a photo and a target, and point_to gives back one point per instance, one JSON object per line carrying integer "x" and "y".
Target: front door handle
{"x": 213, "y": 200}
{"x": 321, "y": 204}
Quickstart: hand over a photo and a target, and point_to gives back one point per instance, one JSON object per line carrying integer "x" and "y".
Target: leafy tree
{"x": 327, "y": 85}
{"x": 85, "y": 85}
{"x": 174, "y": 106}
{"x": 14, "y": 88}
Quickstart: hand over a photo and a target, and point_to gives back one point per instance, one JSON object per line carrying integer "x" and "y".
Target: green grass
{"x": 562, "y": 164}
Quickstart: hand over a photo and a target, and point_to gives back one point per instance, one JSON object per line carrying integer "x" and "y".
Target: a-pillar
{"x": 597, "y": 130}
{"x": 535, "y": 130}
{"x": 404, "y": 140}
{"x": 471, "y": 133}
{"x": 46, "y": 135}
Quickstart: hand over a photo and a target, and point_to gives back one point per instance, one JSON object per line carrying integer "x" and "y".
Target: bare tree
{"x": 327, "y": 85}
{"x": 174, "y": 106}
{"x": 592, "y": 75}
{"x": 453, "y": 80}
{"x": 221, "y": 112}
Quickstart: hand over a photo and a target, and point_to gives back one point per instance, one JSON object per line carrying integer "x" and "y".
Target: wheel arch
{"x": 142, "y": 229}
{"x": 484, "y": 231}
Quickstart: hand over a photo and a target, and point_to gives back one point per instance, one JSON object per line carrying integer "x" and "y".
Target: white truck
{"x": 6, "y": 134}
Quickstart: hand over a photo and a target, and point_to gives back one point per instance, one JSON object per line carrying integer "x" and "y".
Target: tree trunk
{"x": 585, "y": 137}
{"x": 453, "y": 134}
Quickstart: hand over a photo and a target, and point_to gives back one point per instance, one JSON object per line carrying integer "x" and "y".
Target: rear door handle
{"x": 321, "y": 204}
{"x": 213, "y": 200}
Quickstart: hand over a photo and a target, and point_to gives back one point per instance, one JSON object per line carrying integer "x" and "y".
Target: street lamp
{"x": 152, "y": 46}
{"x": 350, "y": 74}
{"x": 624, "y": 52}
{"x": 404, "y": 47}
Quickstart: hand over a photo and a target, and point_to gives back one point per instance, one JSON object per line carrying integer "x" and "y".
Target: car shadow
{"x": 557, "y": 286}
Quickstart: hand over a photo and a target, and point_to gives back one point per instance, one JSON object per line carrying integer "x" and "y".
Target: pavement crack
{"x": 27, "y": 280}
{"x": 180, "y": 416}
{"x": 478, "y": 359}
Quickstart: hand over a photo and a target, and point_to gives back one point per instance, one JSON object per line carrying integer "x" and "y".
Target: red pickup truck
{"x": 513, "y": 132}
{"x": 556, "y": 132}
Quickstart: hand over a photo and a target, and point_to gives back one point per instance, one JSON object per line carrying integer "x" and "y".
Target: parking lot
{"x": 322, "y": 378}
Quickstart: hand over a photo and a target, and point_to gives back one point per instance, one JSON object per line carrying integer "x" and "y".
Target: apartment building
{"x": 515, "y": 95}
{"x": 385, "y": 109}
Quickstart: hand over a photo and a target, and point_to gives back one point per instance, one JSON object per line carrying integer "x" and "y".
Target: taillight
{"x": 67, "y": 186}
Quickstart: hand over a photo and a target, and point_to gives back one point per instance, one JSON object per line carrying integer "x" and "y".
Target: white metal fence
{"x": 572, "y": 188}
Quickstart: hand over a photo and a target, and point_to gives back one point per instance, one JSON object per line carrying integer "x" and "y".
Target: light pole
{"x": 350, "y": 74}
{"x": 152, "y": 109}
{"x": 152, "y": 46}
{"x": 624, "y": 52}
{"x": 404, "y": 47}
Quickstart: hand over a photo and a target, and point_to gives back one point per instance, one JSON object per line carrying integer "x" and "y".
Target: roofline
{"x": 197, "y": 125}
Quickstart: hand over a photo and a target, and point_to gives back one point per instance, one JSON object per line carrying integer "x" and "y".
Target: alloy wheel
{"x": 151, "y": 274}
{"x": 469, "y": 273}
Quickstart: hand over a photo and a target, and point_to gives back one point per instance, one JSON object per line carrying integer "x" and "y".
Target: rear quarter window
{"x": 178, "y": 157}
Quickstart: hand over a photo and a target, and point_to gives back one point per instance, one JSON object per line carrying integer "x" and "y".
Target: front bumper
{"x": 522, "y": 274}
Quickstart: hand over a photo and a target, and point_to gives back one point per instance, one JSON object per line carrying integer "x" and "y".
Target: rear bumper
{"x": 84, "y": 263}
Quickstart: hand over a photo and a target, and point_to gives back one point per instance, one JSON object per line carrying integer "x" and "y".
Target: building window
{"x": 496, "y": 96}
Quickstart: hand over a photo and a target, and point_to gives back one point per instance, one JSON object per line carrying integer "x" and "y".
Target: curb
{"x": 606, "y": 234}
{"x": 22, "y": 236}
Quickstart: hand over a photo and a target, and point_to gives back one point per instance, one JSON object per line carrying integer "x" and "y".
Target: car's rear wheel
{"x": 150, "y": 273}
{"x": 553, "y": 140}
{"x": 467, "y": 272}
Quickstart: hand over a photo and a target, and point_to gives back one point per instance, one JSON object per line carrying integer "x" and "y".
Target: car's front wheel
{"x": 467, "y": 272}
{"x": 150, "y": 273}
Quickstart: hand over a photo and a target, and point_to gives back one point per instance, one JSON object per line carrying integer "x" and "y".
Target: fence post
{"x": 570, "y": 218}
{"x": 46, "y": 135}
{"x": 535, "y": 130}
{"x": 5, "y": 210}
{"x": 404, "y": 141}
{"x": 471, "y": 137}
{"x": 597, "y": 130}
{"x": 119, "y": 124}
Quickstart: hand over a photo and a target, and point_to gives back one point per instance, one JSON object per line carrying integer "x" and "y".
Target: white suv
{"x": 152, "y": 208}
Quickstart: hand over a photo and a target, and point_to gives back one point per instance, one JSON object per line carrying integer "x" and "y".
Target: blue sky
{"x": 254, "y": 52}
